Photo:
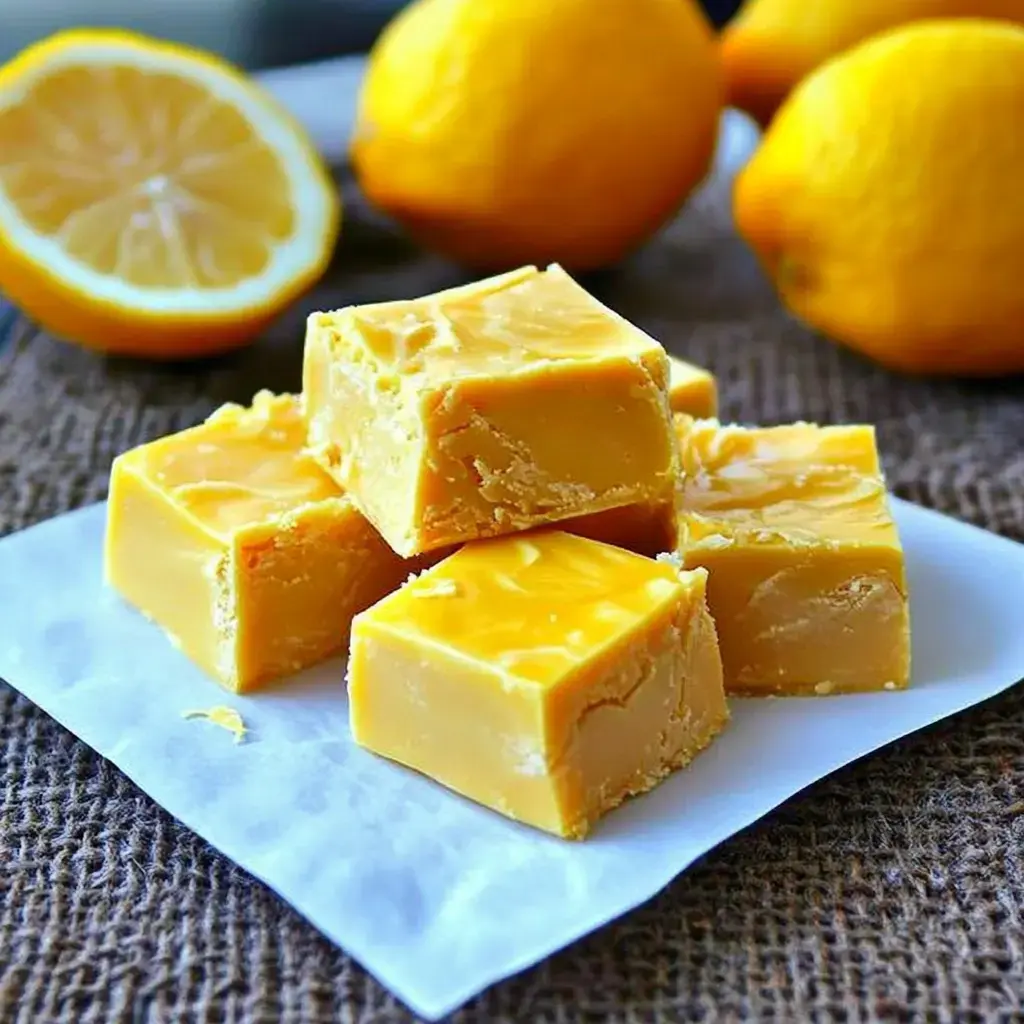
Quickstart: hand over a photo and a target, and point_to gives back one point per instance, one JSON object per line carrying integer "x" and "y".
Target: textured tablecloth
{"x": 893, "y": 891}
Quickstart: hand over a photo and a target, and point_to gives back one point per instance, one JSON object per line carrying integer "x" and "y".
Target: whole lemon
{"x": 886, "y": 198}
{"x": 772, "y": 44}
{"x": 502, "y": 132}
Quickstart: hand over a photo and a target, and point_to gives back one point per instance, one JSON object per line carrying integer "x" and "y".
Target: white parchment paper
{"x": 435, "y": 896}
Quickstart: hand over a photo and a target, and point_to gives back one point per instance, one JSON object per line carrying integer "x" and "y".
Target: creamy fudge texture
{"x": 511, "y": 403}
{"x": 649, "y": 528}
{"x": 806, "y": 573}
{"x": 588, "y": 674}
{"x": 692, "y": 390}
{"x": 238, "y": 544}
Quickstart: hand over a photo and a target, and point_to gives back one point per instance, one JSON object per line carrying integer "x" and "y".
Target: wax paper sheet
{"x": 435, "y": 896}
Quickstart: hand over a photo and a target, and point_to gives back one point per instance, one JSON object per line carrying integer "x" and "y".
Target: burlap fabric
{"x": 893, "y": 891}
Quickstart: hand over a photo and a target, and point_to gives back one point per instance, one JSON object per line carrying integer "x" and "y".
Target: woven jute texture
{"x": 893, "y": 891}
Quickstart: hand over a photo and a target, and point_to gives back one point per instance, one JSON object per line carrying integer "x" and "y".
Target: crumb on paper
{"x": 224, "y": 717}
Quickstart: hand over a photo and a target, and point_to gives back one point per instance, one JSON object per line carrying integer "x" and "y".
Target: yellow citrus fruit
{"x": 153, "y": 201}
{"x": 885, "y": 199}
{"x": 505, "y": 132}
{"x": 772, "y": 44}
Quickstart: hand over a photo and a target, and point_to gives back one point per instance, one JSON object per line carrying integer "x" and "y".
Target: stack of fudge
{"x": 548, "y": 563}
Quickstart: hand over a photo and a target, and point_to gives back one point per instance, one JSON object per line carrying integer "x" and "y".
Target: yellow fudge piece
{"x": 546, "y": 676}
{"x": 807, "y": 582}
{"x": 650, "y": 527}
{"x": 511, "y": 403}
{"x": 237, "y": 544}
{"x": 691, "y": 389}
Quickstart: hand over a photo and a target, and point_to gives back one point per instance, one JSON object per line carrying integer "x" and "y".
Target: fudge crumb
{"x": 224, "y": 717}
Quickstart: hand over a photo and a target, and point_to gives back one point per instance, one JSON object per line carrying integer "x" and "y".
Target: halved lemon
{"x": 153, "y": 200}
